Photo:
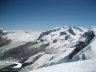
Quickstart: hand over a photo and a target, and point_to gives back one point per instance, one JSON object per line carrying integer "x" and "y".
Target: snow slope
{"x": 78, "y": 66}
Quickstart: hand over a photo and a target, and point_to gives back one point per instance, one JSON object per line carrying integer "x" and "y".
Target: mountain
{"x": 84, "y": 47}
{"x": 81, "y": 59}
{"x": 60, "y": 45}
{"x": 53, "y": 45}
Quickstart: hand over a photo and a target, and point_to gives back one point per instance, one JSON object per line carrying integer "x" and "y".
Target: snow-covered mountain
{"x": 53, "y": 46}
{"x": 59, "y": 45}
{"x": 81, "y": 59}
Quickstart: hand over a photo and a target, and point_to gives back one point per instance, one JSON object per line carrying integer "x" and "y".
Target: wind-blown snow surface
{"x": 79, "y": 66}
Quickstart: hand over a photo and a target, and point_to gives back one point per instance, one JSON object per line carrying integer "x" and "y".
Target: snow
{"x": 18, "y": 38}
{"x": 41, "y": 61}
{"x": 54, "y": 52}
{"x": 60, "y": 55}
{"x": 18, "y": 65}
{"x": 3, "y": 64}
{"x": 93, "y": 29}
{"x": 20, "y": 35}
{"x": 83, "y": 39}
{"x": 93, "y": 45}
{"x": 11, "y": 45}
{"x": 50, "y": 35}
{"x": 89, "y": 51}
{"x": 79, "y": 66}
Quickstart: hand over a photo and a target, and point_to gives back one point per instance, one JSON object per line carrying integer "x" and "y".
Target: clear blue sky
{"x": 46, "y": 14}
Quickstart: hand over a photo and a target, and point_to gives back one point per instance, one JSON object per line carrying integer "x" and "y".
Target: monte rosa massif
{"x": 62, "y": 49}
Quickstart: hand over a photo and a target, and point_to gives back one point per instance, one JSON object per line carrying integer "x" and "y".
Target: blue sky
{"x": 46, "y": 14}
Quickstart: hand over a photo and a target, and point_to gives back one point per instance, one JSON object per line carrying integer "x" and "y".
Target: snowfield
{"x": 78, "y": 66}
{"x": 21, "y": 35}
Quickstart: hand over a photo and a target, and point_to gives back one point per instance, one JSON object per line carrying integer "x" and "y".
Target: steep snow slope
{"x": 82, "y": 49}
{"x": 90, "y": 50}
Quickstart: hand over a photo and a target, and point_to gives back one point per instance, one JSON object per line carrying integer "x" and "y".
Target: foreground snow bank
{"x": 78, "y": 66}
